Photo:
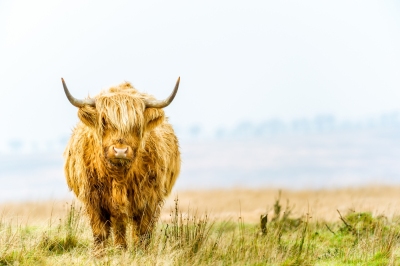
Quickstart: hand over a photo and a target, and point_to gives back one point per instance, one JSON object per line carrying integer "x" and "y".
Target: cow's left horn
{"x": 163, "y": 103}
{"x": 76, "y": 102}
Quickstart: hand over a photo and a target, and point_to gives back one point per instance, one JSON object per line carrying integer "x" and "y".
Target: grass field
{"x": 358, "y": 226}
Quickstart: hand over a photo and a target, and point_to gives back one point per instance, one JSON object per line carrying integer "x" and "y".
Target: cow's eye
{"x": 104, "y": 122}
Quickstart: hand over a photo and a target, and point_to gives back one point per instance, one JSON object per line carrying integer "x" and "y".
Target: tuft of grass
{"x": 66, "y": 236}
{"x": 185, "y": 232}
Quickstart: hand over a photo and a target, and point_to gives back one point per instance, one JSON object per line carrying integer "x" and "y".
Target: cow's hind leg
{"x": 119, "y": 229}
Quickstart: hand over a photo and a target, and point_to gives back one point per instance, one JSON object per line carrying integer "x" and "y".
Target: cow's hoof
{"x": 98, "y": 252}
{"x": 121, "y": 246}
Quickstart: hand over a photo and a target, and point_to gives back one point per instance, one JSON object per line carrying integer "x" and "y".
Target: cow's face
{"x": 120, "y": 121}
{"x": 121, "y": 144}
{"x": 120, "y": 118}
{"x": 119, "y": 148}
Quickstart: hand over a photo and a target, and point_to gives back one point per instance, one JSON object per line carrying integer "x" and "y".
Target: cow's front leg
{"x": 145, "y": 224}
{"x": 135, "y": 237}
{"x": 118, "y": 224}
{"x": 100, "y": 223}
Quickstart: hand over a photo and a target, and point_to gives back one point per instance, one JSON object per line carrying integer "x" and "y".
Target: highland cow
{"x": 122, "y": 161}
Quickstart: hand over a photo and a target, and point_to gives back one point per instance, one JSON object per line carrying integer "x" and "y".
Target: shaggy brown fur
{"x": 116, "y": 192}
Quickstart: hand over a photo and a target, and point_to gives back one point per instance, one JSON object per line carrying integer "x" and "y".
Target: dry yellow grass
{"x": 247, "y": 203}
{"x": 362, "y": 237}
{"x": 320, "y": 204}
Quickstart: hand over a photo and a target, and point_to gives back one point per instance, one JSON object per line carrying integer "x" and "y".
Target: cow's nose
{"x": 120, "y": 153}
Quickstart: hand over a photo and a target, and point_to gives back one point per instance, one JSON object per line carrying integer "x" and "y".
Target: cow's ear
{"x": 88, "y": 115}
{"x": 153, "y": 117}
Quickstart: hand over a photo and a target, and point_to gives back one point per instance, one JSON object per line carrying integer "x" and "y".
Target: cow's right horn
{"x": 76, "y": 102}
{"x": 163, "y": 103}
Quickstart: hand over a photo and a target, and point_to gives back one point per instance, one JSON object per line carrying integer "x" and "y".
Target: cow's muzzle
{"x": 119, "y": 154}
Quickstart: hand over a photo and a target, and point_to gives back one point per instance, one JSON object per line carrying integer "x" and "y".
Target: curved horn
{"x": 163, "y": 103}
{"x": 76, "y": 102}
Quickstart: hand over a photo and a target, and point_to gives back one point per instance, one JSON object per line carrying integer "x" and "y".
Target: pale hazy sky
{"x": 238, "y": 60}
